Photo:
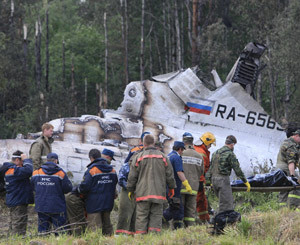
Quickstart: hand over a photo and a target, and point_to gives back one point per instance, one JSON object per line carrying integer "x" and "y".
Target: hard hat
{"x": 208, "y": 138}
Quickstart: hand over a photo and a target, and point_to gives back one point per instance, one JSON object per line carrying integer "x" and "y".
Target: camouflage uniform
{"x": 288, "y": 153}
{"x": 127, "y": 207}
{"x": 76, "y": 213}
{"x": 126, "y": 217}
{"x": 39, "y": 149}
{"x": 193, "y": 169}
{"x": 223, "y": 161}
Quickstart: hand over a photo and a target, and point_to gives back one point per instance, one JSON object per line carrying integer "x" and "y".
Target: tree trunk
{"x": 273, "y": 81}
{"x": 38, "y": 67}
{"x": 150, "y": 56}
{"x": 85, "y": 95}
{"x": 165, "y": 37}
{"x": 195, "y": 32}
{"x": 142, "y": 42}
{"x": 99, "y": 99}
{"x": 73, "y": 91}
{"x": 287, "y": 98}
{"x": 125, "y": 38}
{"x": 178, "y": 44}
{"x": 63, "y": 65}
{"x": 169, "y": 37}
{"x": 187, "y": 4}
{"x": 182, "y": 32}
{"x": 25, "y": 50}
{"x": 105, "y": 96}
{"x": 259, "y": 90}
{"x": 47, "y": 52}
{"x": 159, "y": 54}
{"x": 12, "y": 10}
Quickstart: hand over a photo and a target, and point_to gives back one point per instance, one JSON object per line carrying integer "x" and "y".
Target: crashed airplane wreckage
{"x": 167, "y": 106}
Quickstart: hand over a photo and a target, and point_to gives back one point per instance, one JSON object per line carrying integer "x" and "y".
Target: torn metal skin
{"x": 167, "y": 106}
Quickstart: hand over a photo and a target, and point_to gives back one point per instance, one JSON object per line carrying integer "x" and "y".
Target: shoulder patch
{"x": 10, "y": 171}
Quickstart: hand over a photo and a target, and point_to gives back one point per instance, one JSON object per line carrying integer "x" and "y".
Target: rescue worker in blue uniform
{"x": 136, "y": 148}
{"x": 50, "y": 183}
{"x": 108, "y": 155}
{"x": 126, "y": 218}
{"x": 175, "y": 210}
{"x": 99, "y": 187}
{"x": 18, "y": 191}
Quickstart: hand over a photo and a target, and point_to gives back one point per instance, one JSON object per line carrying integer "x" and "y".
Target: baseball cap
{"x": 108, "y": 153}
{"x": 179, "y": 144}
{"x": 52, "y": 155}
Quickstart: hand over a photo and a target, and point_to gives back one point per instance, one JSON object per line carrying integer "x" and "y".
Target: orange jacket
{"x": 205, "y": 154}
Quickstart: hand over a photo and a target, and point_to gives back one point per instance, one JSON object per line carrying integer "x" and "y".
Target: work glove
{"x": 187, "y": 186}
{"x": 171, "y": 193}
{"x": 248, "y": 186}
{"x": 130, "y": 194}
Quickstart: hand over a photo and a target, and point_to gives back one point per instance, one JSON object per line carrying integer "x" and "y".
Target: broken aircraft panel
{"x": 167, "y": 106}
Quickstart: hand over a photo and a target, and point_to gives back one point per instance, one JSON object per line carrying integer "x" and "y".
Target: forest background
{"x": 63, "y": 58}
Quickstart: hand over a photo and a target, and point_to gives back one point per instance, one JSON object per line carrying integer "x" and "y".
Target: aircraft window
{"x": 75, "y": 164}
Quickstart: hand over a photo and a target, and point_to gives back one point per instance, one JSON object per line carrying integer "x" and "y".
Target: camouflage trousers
{"x": 18, "y": 220}
{"x": 126, "y": 219}
{"x": 222, "y": 189}
{"x": 76, "y": 213}
{"x": 100, "y": 220}
{"x": 148, "y": 217}
{"x": 189, "y": 203}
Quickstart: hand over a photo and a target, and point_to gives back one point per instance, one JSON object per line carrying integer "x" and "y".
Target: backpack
{"x": 3, "y": 169}
{"x": 224, "y": 218}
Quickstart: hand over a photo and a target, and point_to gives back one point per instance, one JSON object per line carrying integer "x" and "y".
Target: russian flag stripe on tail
{"x": 197, "y": 108}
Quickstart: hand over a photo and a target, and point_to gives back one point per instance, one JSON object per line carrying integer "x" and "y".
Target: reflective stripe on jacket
{"x": 50, "y": 183}
{"x": 192, "y": 167}
{"x": 99, "y": 185}
{"x": 149, "y": 175}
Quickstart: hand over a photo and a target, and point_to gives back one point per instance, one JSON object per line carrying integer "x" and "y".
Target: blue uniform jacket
{"x": 132, "y": 151}
{"x": 123, "y": 175}
{"x": 50, "y": 183}
{"x": 176, "y": 161}
{"x": 99, "y": 185}
{"x": 17, "y": 183}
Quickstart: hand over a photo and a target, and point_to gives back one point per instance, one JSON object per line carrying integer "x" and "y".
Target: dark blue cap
{"x": 52, "y": 155}
{"x": 143, "y": 134}
{"x": 108, "y": 152}
{"x": 179, "y": 144}
{"x": 187, "y": 135}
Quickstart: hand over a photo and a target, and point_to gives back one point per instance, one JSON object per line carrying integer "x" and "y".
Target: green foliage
{"x": 260, "y": 202}
{"x": 244, "y": 227}
{"x": 225, "y": 27}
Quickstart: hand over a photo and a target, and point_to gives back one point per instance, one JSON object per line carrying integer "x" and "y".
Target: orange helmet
{"x": 208, "y": 138}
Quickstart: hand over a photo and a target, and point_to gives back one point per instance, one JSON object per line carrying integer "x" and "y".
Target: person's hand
{"x": 171, "y": 193}
{"x": 187, "y": 186}
{"x": 23, "y": 156}
{"x": 248, "y": 186}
